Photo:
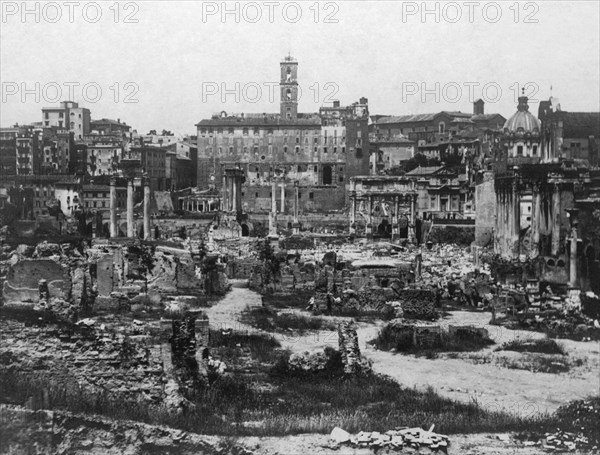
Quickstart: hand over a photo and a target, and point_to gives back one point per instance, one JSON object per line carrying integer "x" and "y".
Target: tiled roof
{"x": 420, "y": 117}
{"x": 425, "y": 170}
{"x": 262, "y": 119}
{"x": 581, "y": 124}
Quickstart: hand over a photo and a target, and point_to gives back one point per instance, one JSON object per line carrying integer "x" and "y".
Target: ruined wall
{"x": 418, "y": 304}
{"x": 485, "y": 210}
{"x": 22, "y": 280}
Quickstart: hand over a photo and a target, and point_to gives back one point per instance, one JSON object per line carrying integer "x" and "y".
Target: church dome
{"x": 522, "y": 121}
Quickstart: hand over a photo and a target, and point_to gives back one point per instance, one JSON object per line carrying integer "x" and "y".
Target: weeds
{"x": 271, "y": 321}
{"x": 542, "y": 346}
{"x": 391, "y": 338}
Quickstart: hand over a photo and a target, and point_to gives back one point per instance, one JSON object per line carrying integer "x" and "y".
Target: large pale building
{"x": 68, "y": 116}
{"x": 319, "y": 152}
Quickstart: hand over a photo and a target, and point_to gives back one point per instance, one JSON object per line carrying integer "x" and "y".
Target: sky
{"x": 167, "y": 65}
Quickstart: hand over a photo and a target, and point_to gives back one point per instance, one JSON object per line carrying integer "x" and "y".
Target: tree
{"x": 271, "y": 264}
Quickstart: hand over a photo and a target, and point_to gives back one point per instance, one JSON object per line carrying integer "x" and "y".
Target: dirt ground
{"x": 496, "y": 388}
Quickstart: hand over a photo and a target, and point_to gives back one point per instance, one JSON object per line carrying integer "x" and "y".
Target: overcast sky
{"x": 175, "y": 58}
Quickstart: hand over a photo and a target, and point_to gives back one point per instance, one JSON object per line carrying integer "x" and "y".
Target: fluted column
{"x": 535, "y": 220}
{"x": 224, "y": 192}
{"x": 555, "y": 220}
{"x": 282, "y": 196}
{"x": 412, "y": 230}
{"x": 147, "y": 229}
{"x": 573, "y": 278}
{"x": 273, "y": 195}
{"x": 516, "y": 219}
{"x": 296, "y": 224}
{"x": 130, "y": 227}
{"x": 113, "y": 208}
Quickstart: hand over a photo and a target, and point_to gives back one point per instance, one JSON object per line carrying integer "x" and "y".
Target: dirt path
{"x": 496, "y": 388}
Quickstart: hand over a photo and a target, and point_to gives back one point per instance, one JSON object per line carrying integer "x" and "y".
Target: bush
{"x": 544, "y": 346}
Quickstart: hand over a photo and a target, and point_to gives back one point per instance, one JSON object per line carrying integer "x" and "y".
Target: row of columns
{"x": 113, "y": 228}
{"x": 199, "y": 206}
{"x": 508, "y": 219}
{"x": 232, "y": 190}
{"x": 395, "y": 220}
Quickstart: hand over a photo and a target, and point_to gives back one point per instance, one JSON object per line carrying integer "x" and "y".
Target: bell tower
{"x": 288, "y": 88}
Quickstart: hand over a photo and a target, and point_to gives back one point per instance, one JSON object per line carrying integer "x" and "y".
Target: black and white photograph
{"x": 302, "y": 227}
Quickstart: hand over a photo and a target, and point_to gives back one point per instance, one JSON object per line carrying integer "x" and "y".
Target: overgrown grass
{"x": 390, "y": 339}
{"x": 230, "y": 406}
{"x": 229, "y": 346}
{"x": 543, "y": 346}
{"x": 298, "y": 299}
{"x": 535, "y": 362}
{"x": 271, "y": 321}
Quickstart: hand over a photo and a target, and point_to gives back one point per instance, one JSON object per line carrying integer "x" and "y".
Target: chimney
{"x": 118, "y": 120}
{"x": 336, "y": 103}
{"x": 478, "y": 107}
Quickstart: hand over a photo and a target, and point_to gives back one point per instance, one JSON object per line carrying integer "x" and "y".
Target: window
{"x": 324, "y": 149}
{"x": 245, "y": 131}
{"x": 285, "y": 149}
{"x": 311, "y": 196}
{"x": 519, "y": 150}
{"x": 297, "y": 140}
{"x": 297, "y": 149}
{"x": 231, "y": 150}
{"x": 299, "y": 195}
{"x": 256, "y": 195}
{"x": 534, "y": 150}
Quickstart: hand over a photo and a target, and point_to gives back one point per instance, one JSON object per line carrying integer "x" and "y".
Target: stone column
{"x": 516, "y": 219}
{"x": 130, "y": 227}
{"x": 296, "y": 224}
{"x": 412, "y": 229}
{"x": 395, "y": 219}
{"x": 273, "y": 195}
{"x": 535, "y": 221}
{"x": 353, "y": 212}
{"x": 369, "y": 230}
{"x": 224, "y": 191}
{"x": 573, "y": 279}
{"x": 555, "y": 220}
{"x": 147, "y": 228}
{"x": 234, "y": 195}
{"x": 282, "y": 196}
{"x": 273, "y": 213}
{"x": 497, "y": 217}
{"x": 113, "y": 208}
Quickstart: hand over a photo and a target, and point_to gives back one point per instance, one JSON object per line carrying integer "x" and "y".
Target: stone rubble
{"x": 397, "y": 439}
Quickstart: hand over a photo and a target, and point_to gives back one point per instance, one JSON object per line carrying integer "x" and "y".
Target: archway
{"x": 245, "y": 230}
{"x": 403, "y": 227}
{"x": 384, "y": 229}
{"x": 327, "y": 175}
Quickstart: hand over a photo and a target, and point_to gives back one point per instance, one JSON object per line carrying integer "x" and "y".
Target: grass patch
{"x": 271, "y": 321}
{"x": 542, "y": 346}
{"x": 391, "y": 338}
{"x": 292, "y": 405}
{"x": 230, "y": 346}
{"x": 298, "y": 299}
{"x": 535, "y": 362}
